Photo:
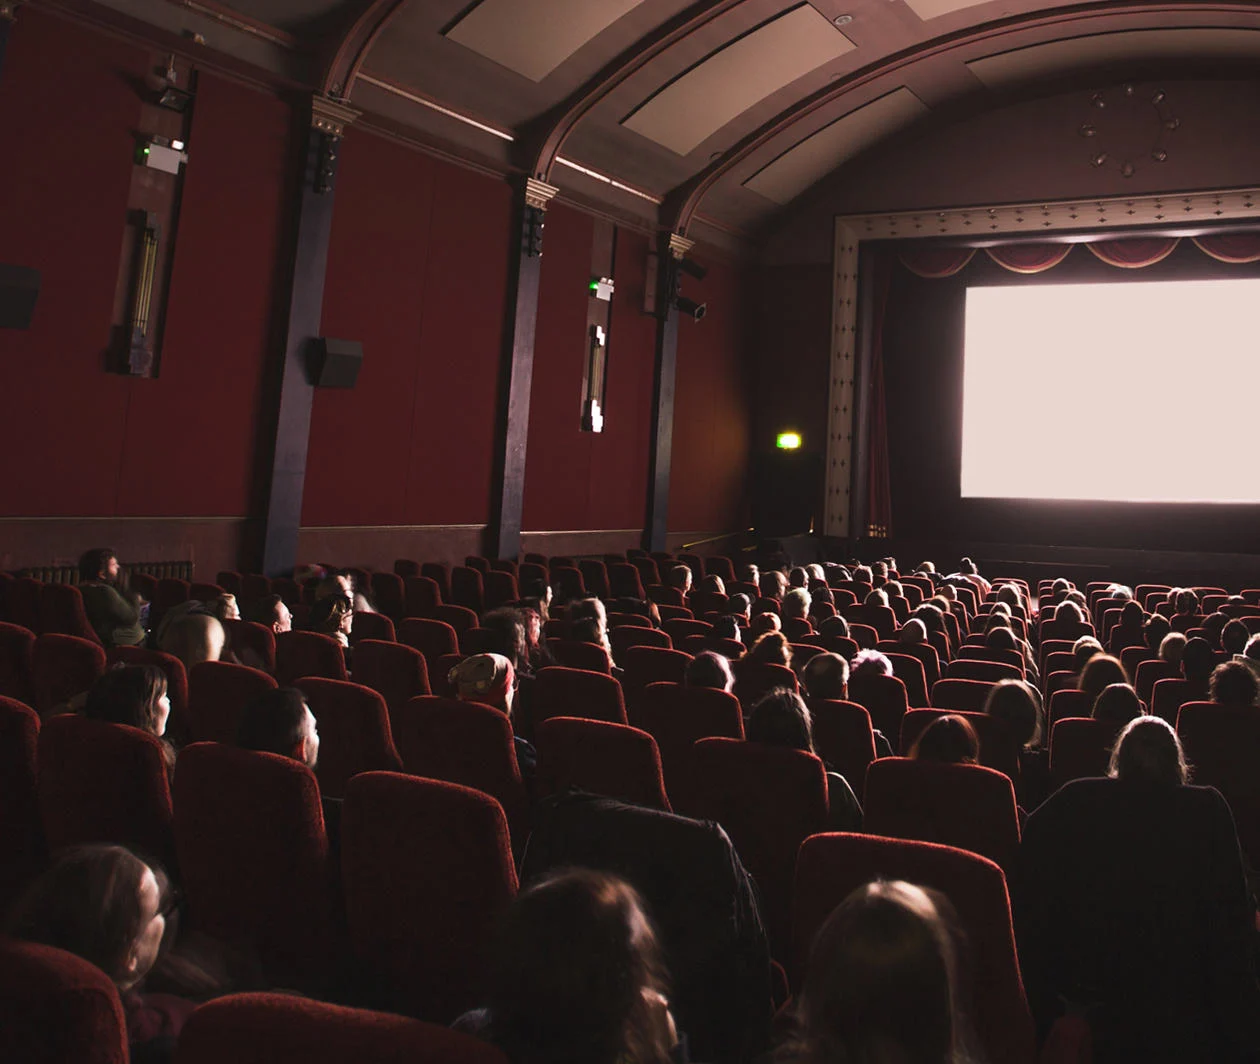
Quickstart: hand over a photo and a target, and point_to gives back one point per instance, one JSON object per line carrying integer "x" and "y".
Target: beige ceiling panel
{"x": 533, "y": 37}
{"x": 818, "y": 154}
{"x": 1056, "y": 57}
{"x": 699, "y": 103}
{"x": 927, "y": 9}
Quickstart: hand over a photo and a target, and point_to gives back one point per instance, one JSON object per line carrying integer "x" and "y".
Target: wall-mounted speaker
{"x": 335, "y": 363}
{"x": 19, "y": 288}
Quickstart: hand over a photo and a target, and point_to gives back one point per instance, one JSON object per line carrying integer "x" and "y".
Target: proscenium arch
{"x": 366, "y": 21}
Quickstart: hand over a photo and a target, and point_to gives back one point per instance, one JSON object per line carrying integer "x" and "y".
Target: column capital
{"x": 331, "y": 116}
{"x": 679, "y": 245}
{"x": 538, "y": 194}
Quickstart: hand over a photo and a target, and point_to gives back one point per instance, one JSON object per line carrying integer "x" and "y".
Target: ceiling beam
{"x": 365, "y": 19}
{"x": 680, "y": 205}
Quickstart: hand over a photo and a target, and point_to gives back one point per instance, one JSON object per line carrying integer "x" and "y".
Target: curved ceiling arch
{"x": 365, "y": 25}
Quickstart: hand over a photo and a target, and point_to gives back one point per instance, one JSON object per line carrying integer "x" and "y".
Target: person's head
{"x": 1000, "y": 609}
{"x": 1010, "y": 595}
{"x": 1197, "y": 660}
{"x": 1234, "y": 637}
{"x": 225, "y": 608}
{"x": 796, "y": 604}
{"x": 131, "y": 694}
{"x": 712, "y": 584}
{"x": 100, "y": 564}
{"x": 834, "y": 627}
{"x": 1185, "y": 601}
{"x": 1116, "y": 704}
{"x": 1234, "y": 685}
{"x": 927, "y": 567}
{"x": 338, "y": 586}
{"x": 508, "y": 637}
{"x": 709, "y": 669}
{"x": 932, "y": 616}
{"x": 591, "y": 608}
{"x": 816, "y": 572}
{"x": 576, "y": 975}
{"x": 740, "y": 605}
{"x": 679, "y": 576}
{"x": 862, "y": 574}
{"x": 763, "y": 623}
{"x": 1131, "y": 614}
{"x": 1213, "y": 625}
{"x": 1148, "y": 751}
{"x": 798, "y": 577}
{"x": 332, "y": 614}
{"x": 280, "y": 722}
{"x": 1079, "y": 598}
{"x": 773, "y": 584}
{"x": 771, "y": 649}
{"x": 914, "y": 631}
{"x": 1001, "y": 638}
{"x": 826, "y": 676}
{"x": 1154, "y": 628}
{"x": 1061, "y": 586}
{"x": 870, "y": 663}
{"x": 967, "y": 567}
{"x": 1069, "y": 612}
{"x": 876, "y": 597}
{"x": 748, "y": 574}
{"x": 950, "y": 740}
{"x": 101, "y": 903}
{"x": 1099, "y": 671}
{"x": 1083, "y": 649}
{"x": 1252, "y": 649}
{"x": 1171, "y": 647}
{"x": 1018, "y": 706}
{"x": 484, "y": 678}
{"x": 781, "y": 718}
{"x": 275, "y": 614}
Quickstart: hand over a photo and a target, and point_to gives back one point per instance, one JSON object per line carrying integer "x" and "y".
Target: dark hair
{"x": 826, "y": 676}
{"x": 87, "y": 903}
{"x": 576, "y": 975}
{"x": 1116, "y": 704}
{"x": 725, "y": 627}
{"x": 949, "y": 739}
{"x": 708, "y": 669}
{"x": 1148, "y": 751}
{"x": 1001, "y": 637}
{"x": 1132, "y": 614}
{"x": 128, "y": 694}
{"x": 1018, "y": 706}
{"x": 882, "y": 981}
{"x": 834, "y": 626}
{"x": 273, "y": 722}
{"x": 1154, "y": 629}
{"x": 1197, "y": 659}
{"x": 1234, "y": 684}
{"x": 94, "y": 562}
{"x": 780, "y": 718}
{"x": 1234, "y": 636}
{"x": 772, "y": 648}
{"x": 327, "y": 613}
{"x": 1184, "y": 600}
{"x": 264, "y": 611}
{"x": 1101, "y": 671}
{"x": 508, "y": 628}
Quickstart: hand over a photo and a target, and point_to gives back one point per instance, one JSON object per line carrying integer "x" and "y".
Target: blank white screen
{"x": 1137, "y": 392}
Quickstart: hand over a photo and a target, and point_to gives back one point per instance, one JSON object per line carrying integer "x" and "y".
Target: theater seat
{"x": 844, "y": 739}
{"x": 614, "y": 760}
{"x": 394, "y": 670}
{"x": 389, "y": 595}
{"x": 676, "y": 716}
{"x": 624, "y": 637}
{"x": 421, "y": 596}
{"x": 998, "y": 748}
{"x": 354, "y": 732}
{"x": 21, "y": 836}
{"x": 371, "y": 626}
{"x": 753, "y": 679}
{"x": 644, "y": 665}
{"x": 63, "y": 666}
{"x": 440, "y": 574}
{"x": 467, "y": 588}
{"x": 562, "y": 692}
{"x": 17, "y": 648}
{"x": 574, "y": 655}
{"x": 884, "y": 698}
{"x": 61, "y": 611}
{"x": 218, "y": 693}
{"x": 1080, "y": 747}
{"x": 961, "y": 695}
{"x": 1223, "y": 745}
{"x": 500, "y": 588}
{"x": 253, "y": 643}
{"x": 301, "y": 654}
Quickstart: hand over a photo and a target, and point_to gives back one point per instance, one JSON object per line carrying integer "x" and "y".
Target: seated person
{"x": 225, "y": 608}
{"x": 591, "y": 610}
{"x": 1251, "y": 655}
{"x": 1083, "y": 649}
{"x": 342, "y": 586}
{"x": 1154, "y": 629}
{"x": 1234, "y": 686}
{"x": 826, "y": 676}
{"x": 1234, "y": 637}
{"x": 333, "y": 615}
{"x": 740, "y": 607}
{"x": 680, "y": 577}
{"x": 771, "y": 649}
{"x": 489, "y": 680}
{"x": 773, "y": 584}
{"x": 272, "y": 612}
{"x": 1171, "y": 647}
{"x": 709, "y": 669}
{"x": 948, "y": 740}
{"x": 912, "y": 633}
{"x": 1018, "y": 706}
{"x": 760, "y": 624}
{"x": 1100, "y": 671}
{"x": 134, "y": 695}
{"x": 116, "y": 614}
{"x": 192, "y": 634}
{"x": 1116, "y": 705}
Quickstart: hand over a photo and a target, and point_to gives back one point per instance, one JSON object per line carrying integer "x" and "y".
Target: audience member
{"x": 275, "y": 614}
{"x": 192, "y": 636}
{"x": 1100, "y": 671}
{"x": 1234, "y": 637}
{"x": 1154, "y": 629}
{"x": 225, "y": 608}
{"x": 709, "y": 669}
{"x": 913, "y": 632}
{"x": 826, "y": 676}
{"x": 1171, "y": 647}
{"x": 333, "y": 615}
{"x": 490, "y": 680}
{"x": 1116, "y": 705}
{"x": 760, "y": 625}
{"x": 116, "y": 614}
{"x": 134, "y": 695}
{"x": 679, "y": 576}
{"x": 1083, "y": 649}
{"x": 950, "y": 740}
{"x": 771, "y": 649}
{"x": 773, "y": 584}
{"x": 1197, "y": 661}
{"x": 591, "y": 610}
{"x": 1234, "y": 685}
{"x": 1018, "y": 706}
{"x": 870, "y": 663}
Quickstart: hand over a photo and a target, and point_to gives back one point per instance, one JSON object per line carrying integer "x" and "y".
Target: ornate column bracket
{"x": 329, "y": 119}
{"x": 679, "y": 245}
{"x": 538, "y": 194}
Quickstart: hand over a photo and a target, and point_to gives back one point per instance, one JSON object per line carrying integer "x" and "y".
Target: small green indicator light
{"x": 788, "y": 441}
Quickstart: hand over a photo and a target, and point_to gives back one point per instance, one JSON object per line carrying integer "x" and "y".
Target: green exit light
{"x": 788, "y": 441}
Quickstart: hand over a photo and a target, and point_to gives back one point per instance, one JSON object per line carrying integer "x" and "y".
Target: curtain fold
{"x": 1134, "y": 253}
{"x": 936, "y": 262}
{"x": 1234, "y": 248}
{"x": 1029, "y": 258}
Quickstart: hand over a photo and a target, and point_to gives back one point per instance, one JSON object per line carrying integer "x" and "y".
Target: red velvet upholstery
{"x": 1223, "y": 745}
{"x": 624, "y": 582}
{"x": 171, "y": 591}
{"x": 398, "y": 672}
{"x": 909, "y": 670}
{"x": 1151, "y": 672}
{"x": 986, "y": 671}
{"x": 1168, "y": 696}
{"x": 881, "y": 618}
{"x": 676, "y": 717}
{"x": 465, "y": 743}
{"x": 998, "y": 748}
{"x": 967, "y": 806}
{"x": 254, "y": 587}
{"x": 229, "y": 580}
{"x": 21, "y": 837}
{"x": 259, "y": 880}
{"x": 595, "y": 577}
{"x": 389, "y": 595}
{"x": 467, "y": 588}
{"x": 440, "y": 574}
{"x": 832, "y": 866}
{"x": 754, "y": 679}
{"x": 56, "y": 1008}
{"x": 431, "y": 637}
{"x": 17, "y": 647}
{"x": 567, "y": 582}
{"x": 254, "y": 643}
{"x": 844, "y": 739}
{"x": 461, "y": 618}
{"x": 614, "y": 760}
{"x": 983, "y": 653}
{"x": 63, "y": 666}
{"x": 354, "y": 732}
{"x": 179, "y": 724}
{"x": 562, "y": 692}
{"x": 500, "y": 588}
{"x": 632, "y": 620}
{"x": 103, "y": 782}
{"x": 476, "y": 561}
{"x": 1069, "y": 702}
{"x": 884, "y": 698}
{"x": 61, "y": 611}
{"x": 769, "y": 799}
{"x": 966, "y": 696}
{"x": 428, "y": 871}
{"x": 218, "y": 693}
{"x": 679, "y": 629}
{"x": 574, "y": 655}
{"x": 283, "y": 1029}
{"x": 624, "y": 637}
{"x": 1080, "y": 747}
{"x": 204, "y": 592}
{"x": 24, "y": 603}
{"x": 422, "y": 596}
{"x": 644, "y": 665}
{"x": 649, "y": 574}
{"x": 371, "y": 626}
{"x": 720, "y": 565}
{"x": 301, "y": 654}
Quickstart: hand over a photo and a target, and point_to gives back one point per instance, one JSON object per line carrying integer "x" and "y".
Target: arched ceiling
{"x": 690, "y": 113}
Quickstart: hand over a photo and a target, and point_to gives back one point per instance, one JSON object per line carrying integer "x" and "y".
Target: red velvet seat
{"x": 103, "y": 782}
{"x": 171, "y": 591}
{"x": 21, "y": 837}
{"x": 229, "y": 580}
{"x": 563, "y": 692}
{"x": 254, "y": 588}
{"x": 17, "y": 648}
{"x": 394, "y": 670}
{"x": 478, "y": 641}
{"x": 866, "y": 637}
{"x": 624, "y": 581}
{"x": 576, "y": 655}
{"x": 261, "y": 881}
{"x": 253, "y": 643}
{"x": 1223, "y": 745}
{"x": 625, "y": 636}
{"x": 909, "y": 670}
{"x": 1080, "y": 747}
{"x": 649, "y": 573}
{"x": 1149, "y": 673}
{"x": 567, "y": 582}
{"x": 720, "y": 565}
{"x": 1069, "y": 702}
{"x": 301, "y": 654}
{"x": 631, "y": 620}
{"x": 966, "y": 696}
{"x": 844, "y": 739}
{"x": 428, "y": 872}
{"x": 440, "y": 574}
{"x": 283, "y": 1029}
{"x": 468, "y": 588}
{"x": 205, "y": 592}
{"x": 679, "y": 629}
{"x": 354, "y": 732}
{"x": 614, "y": 760}
{"x": 218, "y": 693}
{"x": 24, "y": 603}
{"x": 753, "y": 679}
{"x": 831, "y": 866}
{"x": 500, "y": 588}
{"x": 982, "y": 653}
{"x": 389, "y": 595}
{"x": 881, "y": 618}
{"x": 371, "y": 626}
{"x": 56, "y": 1008}
{"x": 421, "y": 596}
{"x": 1169, "y": 695}
{"x": 986, "y": 671}
{"x": 884, "y": 698}
{"x": 645, "y": 664}
{"x": 676, "y": 716}
{"x": 461, "y": 618}
{"x": 998, "y": 748}
{"x": 63, "y": 666}
{"x": 465, "y": 743}
{"x": 61, "y": 611}
{"x": 967, "y": 806}
{"x": 769, "y": 799}
{"x": 433, "y": 638}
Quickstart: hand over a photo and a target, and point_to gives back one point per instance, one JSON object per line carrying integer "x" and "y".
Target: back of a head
{"x": 1116, "y": 704}
{"x": 1185, "y": 601}
{"x": 1069, "y": 612}
{"x": 772, "y": 584}
{"x": 826, "y": 676}
{"x": 1197, "y": 660}
{"x": 708, "y": 669}
{"x": 931, "y": 615}
{"x": 328, "y": 613}
{"x": 1234, "y": 637}
{"x": 762, "y": 623}
{"x": 194, "y": 638}
{"x": 914, "y": 631}
{"x": 576, "y": 975}
{"x": 273, "y": 722}
{"x": 726, "y": 627}
{"x": 967, "y": 567}
{"x": 1154, "y": 629}
{"x": 868, "y": 663}
{"x": 876, "y": 597}
{"x": 1001, "y": 638}
{"x": 796, "y": 603}
{"x": 798, "y": 577}
{"x": 584, "y": 608}
{"x": 881, "y": 985}
{"x": 127, "y": 694}
{"x": 1213, "y": 625}
{"x": 739, "y": 604}
{"x": 836, "y": 626}
{"x": 771, "y": 649}
{"x": 1252, "y": 649}
{"x": 950, "y": 740}
{"x": 1010, "y": 594}
{"x": 780, "y": 718}
{"x": 1100, "y": 671}
{"x": 507, "y": 626}
{"x": 1234, "y": 684}
{"x": 712, "y": 584}
{"x": 1132, "y": 614}
{"x": 678, "y": 576}
{"x": 1149, "y": 752}
{"x": 1018, "y": 706}
{"x": 1171, "y": 647}
{"x": 1083, "y": 649}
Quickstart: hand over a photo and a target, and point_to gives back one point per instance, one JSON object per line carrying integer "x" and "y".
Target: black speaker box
{"x": 335, "y": 363}
{"x": 19, "y": 288}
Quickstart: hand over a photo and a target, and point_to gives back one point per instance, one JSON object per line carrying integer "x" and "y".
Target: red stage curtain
{"x": 1233, "y": 248}
{"x": 1135, "y": 253}
{"x": 1029, "y": 258}
{"x": 936, "y": 262}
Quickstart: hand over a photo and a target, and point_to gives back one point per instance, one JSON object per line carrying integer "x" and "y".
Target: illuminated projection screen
{"x": 1131, "y": 392}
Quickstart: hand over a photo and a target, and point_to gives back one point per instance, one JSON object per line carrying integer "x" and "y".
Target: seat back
{"x": 218, "y": 693}
{"x": 614, "y": 760}
{"x": 909, "y": 670}
{"x": 61, "y": 611}
{"x": 563, "y": 692}
{"x": 24, "y": 602}
{"x": 253, "y": 643}
{"x": 676, "y": 716}
{"x": 17, "y": 649}
{"x": 1223, "y": 745}
{"x": 261, "y": 881}
{"x": 394, "y": 670}
{"x": 301, "y": 654}
{"x": 831, "y": 866}
{"x": 21, "y": 837}
{"x": 967, "y": 696}
{"x": 754, "y": 679}
{"x": 56, "y": 1008}
{"x": 500, "y": 588}
{"x": 354, "y": 732}
{"x": 103, "y": 782}
{"x": 369, "y": 625}
{"x": 881, "y": 618}
{"x": 1080, "y": 747}
{"x": 576, "y": 655}
{"x": 63, "y": 666}
{"x": 644, "y": 665}
{"x": 389, "y": 595}
{"x": 986, "y": 671}
{"x": 998, "y": 747}
{"x": 680, "y": 628}
{"x": 428, "y": 872}
{"x": 844, "y": 738}
{"x": 421, "y": 596}
{"x": 967, "y": 806}
{"x": 461, "y": 618}
{"x": 468, "y": 588}
{"x": 1069, "y": 702}
{"x": 884, "y": 698}
{"x": 625, "y": 636}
